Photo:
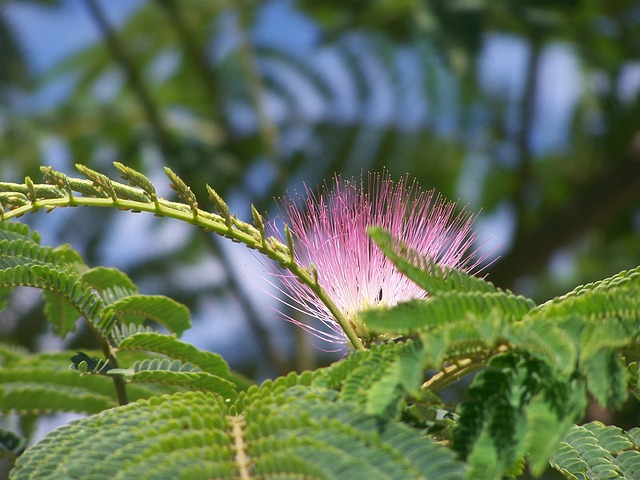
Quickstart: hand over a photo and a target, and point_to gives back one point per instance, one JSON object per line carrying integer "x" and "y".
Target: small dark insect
{"x": 379, "y": 296}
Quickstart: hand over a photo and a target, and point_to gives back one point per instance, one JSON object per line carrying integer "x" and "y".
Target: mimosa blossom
{"x": 330, "y": 231}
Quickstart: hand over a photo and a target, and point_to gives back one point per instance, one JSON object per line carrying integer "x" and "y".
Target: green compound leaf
{"x": 175, "y": 372}
{"x": 42, "y": 383}
{"x": 182, "y": 189}
{"x": 60, "y": 282}
{"x": 110, "y": 282}
{"x": 597, "y": 319}
{"x": 544, "y": 431}
{"x": 60, "y": 313}
{"x": 447, "y": 308}
{"x": 505, "y": 418}
{"x": 136, "y": 179}
{"x": 56, "y": 271}
{"x": 619, "y": 280}
{"x": 605, "y": 317}
{"x": 607, "y": 379}
{"x": 547, "y": 340}
{"x": 16, "y": 230}
{"x": 380, "y": 379}
{"x": 163, "y": 364}
{"x": 596, "y": 451}
{"x": 174, "y": 348}
{"x": 403, "y": 376}
{"x": 139, "y": 308}
{"x": 38, "y": 387}
{"x": 425, "y": 271}
{"x": 106, "y": 297}
{"x": 295, "y": 432}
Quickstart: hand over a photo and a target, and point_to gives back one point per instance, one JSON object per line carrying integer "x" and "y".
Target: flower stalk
{"x": 333, "y": 270}
{"x": 330, "y": 232}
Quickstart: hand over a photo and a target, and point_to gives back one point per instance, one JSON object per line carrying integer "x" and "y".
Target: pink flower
{"x": 330, "y": 231}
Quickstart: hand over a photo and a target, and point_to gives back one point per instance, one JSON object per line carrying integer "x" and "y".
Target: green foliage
{"x": 289, "y": 431}
{"x": 104, "y": 297}
{"x": 98, "y": 190}
{"x": 175, "y": 372}
{"x": 517, "y": 406}
{"x": 140, "y": 308}
{"x": 522, "y": 403}
{"x": 43, "y": 383}
{"x": 174, "y": 348}
{"x": 379, "y": 379}
{"x": 377, "y": 413}
{"x": 110, "y": 304}
{"x": 451, "y": 128}
{"x": 594, "y": 450}
{"x": 445, "y": 309}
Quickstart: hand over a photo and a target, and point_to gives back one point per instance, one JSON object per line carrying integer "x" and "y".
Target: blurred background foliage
{"x": 527, "y": 110}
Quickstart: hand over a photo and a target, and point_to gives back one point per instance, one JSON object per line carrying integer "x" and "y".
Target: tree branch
{"x": 527, "y": 116}
{"x": 154, "y": 117}
{"x": 195, "y": 54}
{"x": 266, "y": 126}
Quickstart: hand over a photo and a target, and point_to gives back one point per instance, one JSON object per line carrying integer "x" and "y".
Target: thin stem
{"x": 527, "y": 115}
{"x": 195, "y": 55}
{"x": 451, "y": 374}
{"x": 118, "y": 382}
{"x": 134, "y": 79}
{"x": 227, "y": 227}
{"x": 308, "y": 279}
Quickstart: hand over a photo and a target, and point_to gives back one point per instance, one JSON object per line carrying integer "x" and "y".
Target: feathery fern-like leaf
{"x": 544, "y": 430}
{"x": 547, "y": 340}
{"x": 112, "y": 283}
{"x": 606, "y": 378}
{"x": 446, "y": 308}
{"x": 175, "y": 372}
{"x": 425, "y": 271}
{"x": 496, "y": 424}
{"x": 17, "y": 230}
{"x": 139, "y": 308}
{"x": 43, "y": 383}
{"x": 62, "y": 314}
{"x": 594, "y": 450}
{"x": 467, "y": 338}
{"x": 296, "y": 432}
{"x": 62, "y": 283}
{"x": 618, "y": 280}
{"x": 174, "y": 348}
{"x": 402, "y": 377}
{"x": 379, "y": 379}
